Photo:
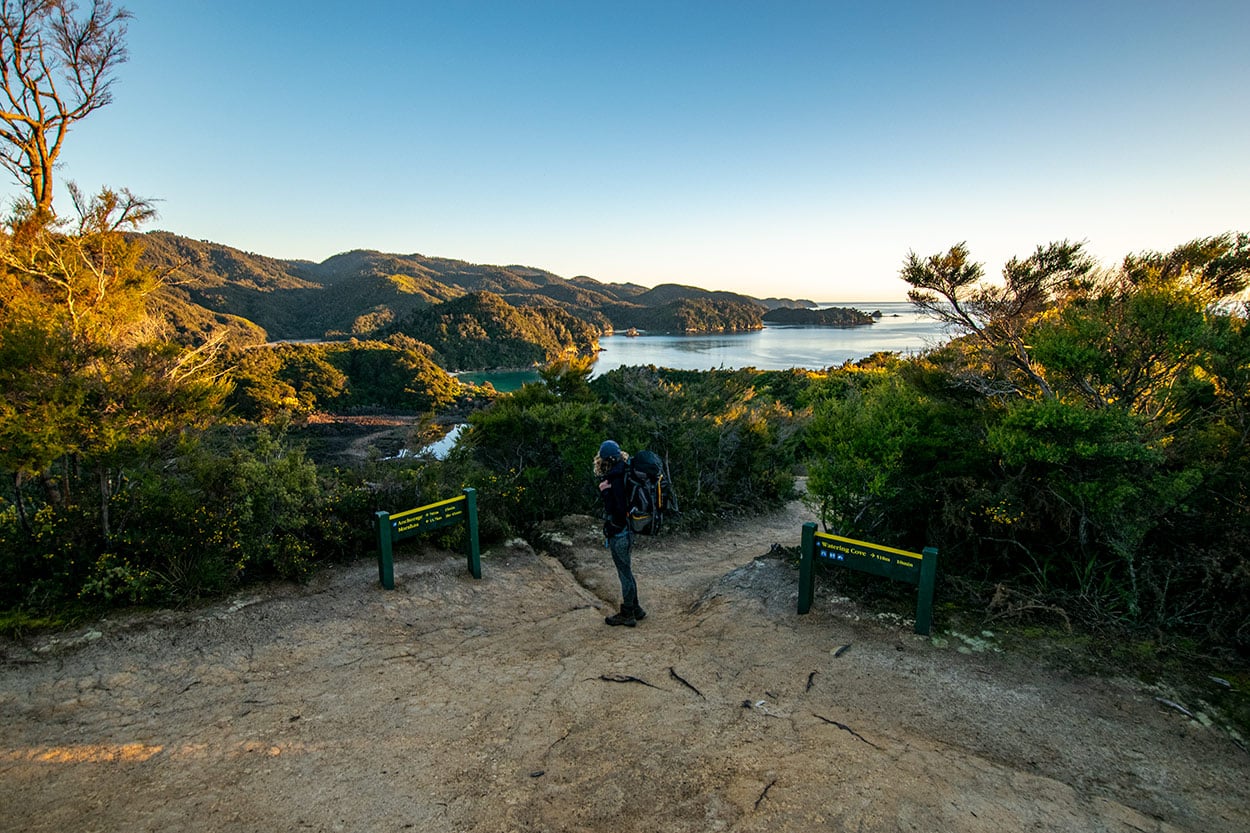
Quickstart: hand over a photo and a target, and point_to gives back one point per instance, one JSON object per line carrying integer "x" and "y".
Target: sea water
{"x": 900, "y": 329}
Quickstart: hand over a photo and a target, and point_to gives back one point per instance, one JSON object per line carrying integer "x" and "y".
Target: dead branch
{"x": 764, "y": 794}
{"x": 672, "y": 673}
{"x": 846, "y": 728}
{"x": 625, "y": 678}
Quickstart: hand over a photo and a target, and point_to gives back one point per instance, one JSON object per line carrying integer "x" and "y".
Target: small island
{"x": 831, "y": 317}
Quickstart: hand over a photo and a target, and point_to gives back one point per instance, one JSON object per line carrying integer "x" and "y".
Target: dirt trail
{"x": 505, "y": 704}
{"x": 356, "y": 436}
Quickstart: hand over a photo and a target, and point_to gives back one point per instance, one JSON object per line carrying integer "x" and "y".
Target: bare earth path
{"x": 505, "y": 704}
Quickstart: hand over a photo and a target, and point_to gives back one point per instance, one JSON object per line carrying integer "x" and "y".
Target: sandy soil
{"x": 505, "y": 704}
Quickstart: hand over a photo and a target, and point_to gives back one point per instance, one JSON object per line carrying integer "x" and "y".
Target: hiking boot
{"x": 639, "y": 613}
{"x": 625, "y": 617}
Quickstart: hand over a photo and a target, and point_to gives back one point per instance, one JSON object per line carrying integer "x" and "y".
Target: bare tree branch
{"x": 56, "y": 68}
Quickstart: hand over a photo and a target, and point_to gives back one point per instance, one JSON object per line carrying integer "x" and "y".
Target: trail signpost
{"x": 401, "y": 525}
{"x": 919, "y": 569}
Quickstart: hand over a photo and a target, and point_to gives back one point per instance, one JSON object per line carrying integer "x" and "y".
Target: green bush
{"x": 45, "y": 559}
{"x": 194, "y": 523}
{"x": 531, "y": 452}
{"x": 729, "y": 451}
{"x": 276, "y": 382}
{"x": 1085, "y": 445}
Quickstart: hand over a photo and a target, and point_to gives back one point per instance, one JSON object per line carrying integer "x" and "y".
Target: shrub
{"x": 729, "y": 452}
{"x": 194, "y": 523}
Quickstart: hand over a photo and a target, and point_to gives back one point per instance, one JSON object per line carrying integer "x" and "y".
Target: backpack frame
{"x": 647, "y": 493}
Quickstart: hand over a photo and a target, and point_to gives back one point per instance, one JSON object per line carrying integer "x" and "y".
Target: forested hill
{"x": 362, "y": 292}
{"x": 482, "y": 330}
{"x": 834, "y": 317}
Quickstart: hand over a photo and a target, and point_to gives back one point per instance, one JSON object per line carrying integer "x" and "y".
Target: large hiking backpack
{"x": 648, "y": 493}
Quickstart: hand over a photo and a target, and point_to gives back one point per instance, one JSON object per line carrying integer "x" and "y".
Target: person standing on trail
{"x": 610, "y": 468}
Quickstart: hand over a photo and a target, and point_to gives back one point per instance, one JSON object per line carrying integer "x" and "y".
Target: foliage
{"x": 688, "y": 315}
{"x": 728, "y": 453}
{"x": 950, "y": 287}
{"x": 828, "y": 317}
{"x": 1085, "y": 440}
{"x": 87, "y": 372}
{"x": 191, "y": 324}
{"x": 877, "y": 450}
{"x": 482, "y": 331}
{"x": 730, "y": 450}
{"x": 193, "y": 522}
{"x": 221, "y": 515}
{"x": 282, "y": 381}
{"x": 532, "y": 451}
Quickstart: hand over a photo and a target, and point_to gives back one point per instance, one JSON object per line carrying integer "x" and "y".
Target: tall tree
{"x": 950, "y": 287}
{"x": 88, "y": 374}
{"x": 56, "y": 68}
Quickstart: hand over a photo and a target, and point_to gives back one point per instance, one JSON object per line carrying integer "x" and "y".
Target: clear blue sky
{"x": 773, "y": 148}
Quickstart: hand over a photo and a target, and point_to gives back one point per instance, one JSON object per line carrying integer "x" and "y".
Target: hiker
{"x": 610, "y": 468}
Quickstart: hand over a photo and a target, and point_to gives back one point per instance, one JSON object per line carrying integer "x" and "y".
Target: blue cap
{"x": 609, "y": 450}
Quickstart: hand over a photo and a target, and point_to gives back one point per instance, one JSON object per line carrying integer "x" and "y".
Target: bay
{"x": 900, "y": 329}
{"x": 504, "y": 381}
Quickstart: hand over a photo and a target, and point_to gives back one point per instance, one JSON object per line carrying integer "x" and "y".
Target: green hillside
{"x": 481, "y": 331}
{"x": 667, "y": 293}
{"x": 832, "y": 317}
{"x": 369, "y": 294}
{"x": 688, "y": 315}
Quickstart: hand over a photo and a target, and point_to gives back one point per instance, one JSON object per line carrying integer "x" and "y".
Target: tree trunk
{"x": 51, "y": 489}
{"x": 105, "y": 494}
{"x": 20, "y": 503}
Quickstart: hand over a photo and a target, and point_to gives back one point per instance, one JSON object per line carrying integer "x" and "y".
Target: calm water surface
{"x": 778, "y": 347}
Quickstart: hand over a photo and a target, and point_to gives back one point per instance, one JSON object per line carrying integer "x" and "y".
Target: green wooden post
{"x": 475, "y": 552}
{"x": 924, "y": 599}
{"x": 410, "y": 522}
{"x": 386, "y": 561}
{"x": 919, "y": 569}
{"x": 807, "y": 568}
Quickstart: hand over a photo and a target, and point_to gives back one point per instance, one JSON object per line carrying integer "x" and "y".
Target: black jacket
{"x": 615, "y": 500}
